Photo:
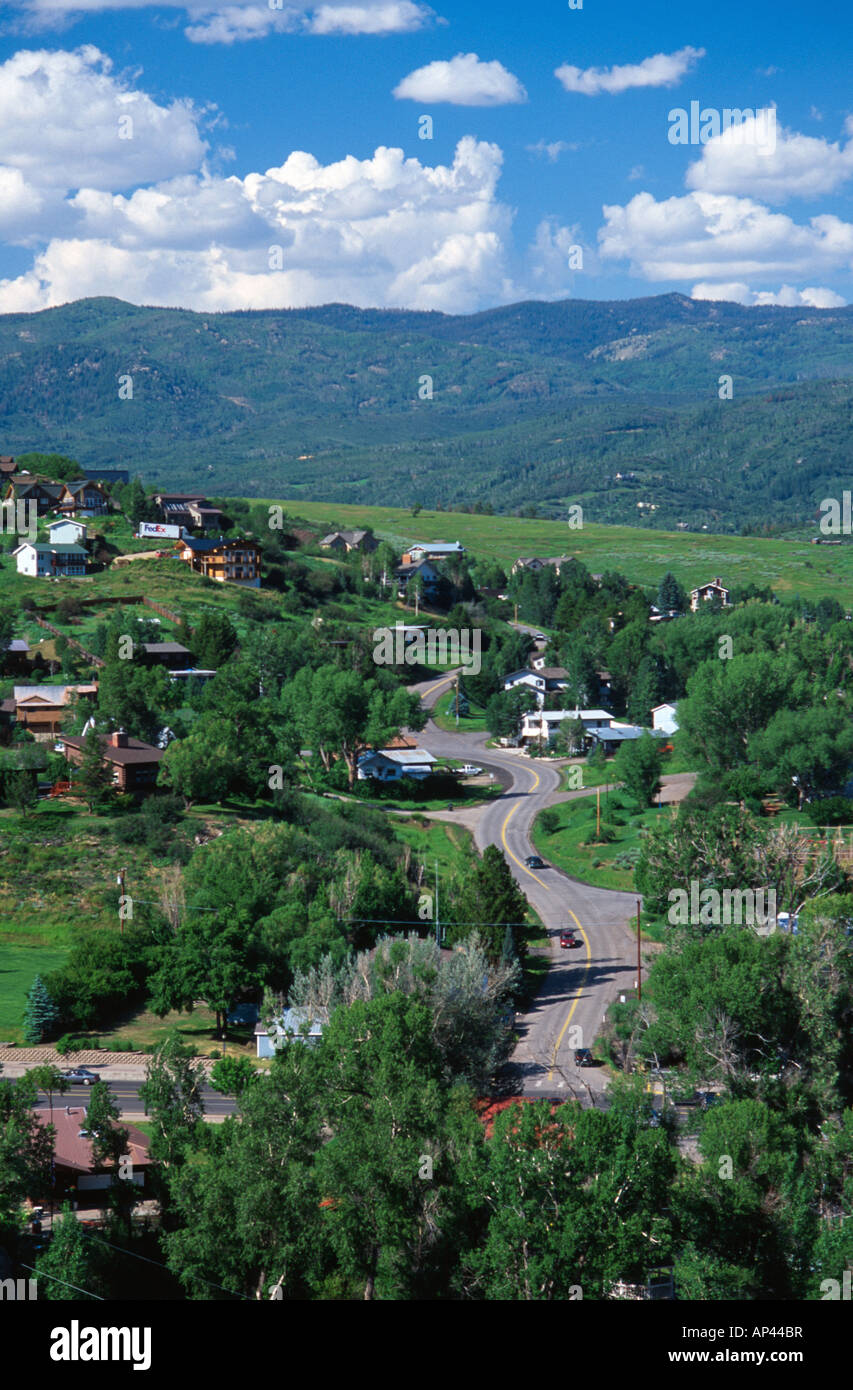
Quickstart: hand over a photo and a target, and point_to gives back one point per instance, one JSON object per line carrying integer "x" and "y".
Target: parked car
{"x": 471, "y": 769}
{"x": 534, "y": 862}
{"x": 83, "y": 1076}
{"x": 568, "y": 940}
{"x": 583, "y": 1057}
{"x": 539, "y": 637}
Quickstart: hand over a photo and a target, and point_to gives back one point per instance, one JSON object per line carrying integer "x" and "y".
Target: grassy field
{"x": 444, "y": 715}
{"x": 787, "y": 565}
{"x": 570, "y": 847}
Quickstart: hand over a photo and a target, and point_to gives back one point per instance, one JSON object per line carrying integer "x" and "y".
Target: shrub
{"x": 549, "y": 820}
{"x": 832, "y": 810}
{"x": 66, "y": 1044}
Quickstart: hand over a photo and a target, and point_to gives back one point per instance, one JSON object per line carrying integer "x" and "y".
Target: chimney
{"x": 118, "y": 739}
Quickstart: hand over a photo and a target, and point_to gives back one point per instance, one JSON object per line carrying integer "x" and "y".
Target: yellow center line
{"x": 508, "y": 818}
{"x": 437, "y": 686}
{"x": 576, "y": 998}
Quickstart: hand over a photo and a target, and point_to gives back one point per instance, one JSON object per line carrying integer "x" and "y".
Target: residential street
{"x": 569, "y": 1008}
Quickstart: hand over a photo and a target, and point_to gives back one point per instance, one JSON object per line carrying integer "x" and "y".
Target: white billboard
{"x": 154, "y": 529}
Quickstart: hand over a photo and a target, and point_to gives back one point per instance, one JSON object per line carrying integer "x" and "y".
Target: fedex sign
{"x": 155, "y": 529}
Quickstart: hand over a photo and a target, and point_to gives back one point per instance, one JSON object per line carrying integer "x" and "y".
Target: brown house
{"x": 42, "y": 708}
{"x": 75, "y": 1170}
{"x": 169, "y": 654}
{"x": 84, "y": 498}
{"x": 27, "y": 487}
{"x": 134, "y": 764}
{"x": 234, "y": 562}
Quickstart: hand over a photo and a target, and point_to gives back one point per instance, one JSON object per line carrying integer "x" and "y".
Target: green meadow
{"x": 786, "y": 565}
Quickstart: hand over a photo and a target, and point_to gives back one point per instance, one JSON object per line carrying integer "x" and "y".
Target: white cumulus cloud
{"x": 800, "y": 166}
{"x": 661, "y": 70}
{"x": 464, "y": 81}
{"x": 787, "y": 296}
{"x": 67, "y": 122}
{"x": 709, "y": 236}
{"x": 386, "y": 231}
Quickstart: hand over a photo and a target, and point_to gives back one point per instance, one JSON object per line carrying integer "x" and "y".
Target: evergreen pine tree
{"x": 489, "y": 901}
{"x": 40, "y": 1014}
{"x": 93, "y": 776}
{"x": 671, "y": 595}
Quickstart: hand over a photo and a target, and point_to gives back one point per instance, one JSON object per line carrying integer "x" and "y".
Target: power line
{"x": 160, "y": 1265}
{"x": 41, "y": 1274}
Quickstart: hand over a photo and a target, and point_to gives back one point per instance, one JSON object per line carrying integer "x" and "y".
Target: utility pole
{"x": 457, "y": 701}
{"x": 120, "y": 881}
{"x": 639, "y": 965}
{"x": 437, "y": 923}
{"x": 598, "y": 813}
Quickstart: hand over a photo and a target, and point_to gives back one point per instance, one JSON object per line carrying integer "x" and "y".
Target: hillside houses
{"x": 390, "y": 764}
{"x": 541, "y": 726}
{"x": 706, "y": 592}
{"x": 67, "y": 532}
{"x": 346, "y": 541}
{"x": 42, "y": 561}
{"x": 134, "y": 764}
{"x": 83, "y": 498}
{"x": 665, "y": 719}
{"x": 429, "y": 576}
{"x": 190, "y": 510}
{"x": 530, "y": 564}
{"x": 432, "y": 550}
{"x": 234, "y": 562}
{"x": 544, "y": 681}
{"x": 43, "y": 708}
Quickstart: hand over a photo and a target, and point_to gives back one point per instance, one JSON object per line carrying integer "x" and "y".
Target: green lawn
{"x": 569, "y": 848}
{"x": 444, "y": 715}
{"x": 19, "y": 966}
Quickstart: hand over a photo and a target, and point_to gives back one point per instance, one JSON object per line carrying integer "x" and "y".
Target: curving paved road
{"x": 568, "y": 1009}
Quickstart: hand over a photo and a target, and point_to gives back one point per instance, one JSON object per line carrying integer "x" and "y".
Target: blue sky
{"x": 233, "y": 155}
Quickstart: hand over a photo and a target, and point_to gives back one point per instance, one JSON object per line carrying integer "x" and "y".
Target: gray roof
{"x": 406, "y": 757}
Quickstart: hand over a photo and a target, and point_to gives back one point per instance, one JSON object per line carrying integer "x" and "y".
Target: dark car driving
{"x": 534, "y": 862}
{"x": 583, "y": 1057}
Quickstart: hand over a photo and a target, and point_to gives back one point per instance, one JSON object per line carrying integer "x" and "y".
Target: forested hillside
{"x": 535, "y": 404}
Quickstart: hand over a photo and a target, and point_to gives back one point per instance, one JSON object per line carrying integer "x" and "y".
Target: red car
{"x": 568, "y": 940}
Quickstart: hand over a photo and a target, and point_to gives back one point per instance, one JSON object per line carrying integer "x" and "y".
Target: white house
{"x": 294, "y": 1025}
{"x": 664, "y": 719}
{"x": 50, "y": 561}
{"x": 542, "y": 681}
{"x": 390, "y": 764}
{"x": 432, "y": 550}
{"x": 542, "y": 725}
{"x": 67, "y": 532}
{"x": 716, "y": 589}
